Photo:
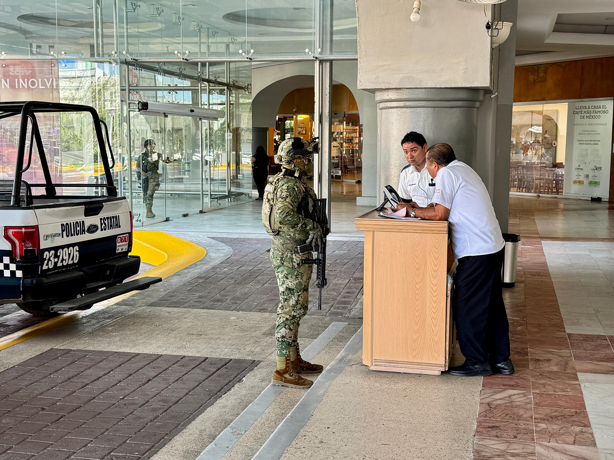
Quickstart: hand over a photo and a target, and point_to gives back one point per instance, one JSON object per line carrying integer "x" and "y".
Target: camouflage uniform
{"x": 151, "y": 183}
{"x": 294, "y": 204}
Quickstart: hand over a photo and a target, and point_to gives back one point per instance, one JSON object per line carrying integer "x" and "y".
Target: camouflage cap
{"x": 292, "y": 149}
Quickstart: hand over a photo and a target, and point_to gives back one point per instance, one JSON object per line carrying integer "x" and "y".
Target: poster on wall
{"x": 589, "y": 148}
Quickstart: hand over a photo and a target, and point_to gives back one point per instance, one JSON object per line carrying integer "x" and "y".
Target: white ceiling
{"x": 536, "y": 23}
{"x": 282, "y": 26}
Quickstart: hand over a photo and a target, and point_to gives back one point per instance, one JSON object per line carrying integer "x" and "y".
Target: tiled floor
{"x": 98, "y": 404}
{"x": 583, "y": 276}
{"x": 558, "y": 404}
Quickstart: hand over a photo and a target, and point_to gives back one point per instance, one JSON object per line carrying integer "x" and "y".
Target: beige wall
{"x": 447, "y": 48}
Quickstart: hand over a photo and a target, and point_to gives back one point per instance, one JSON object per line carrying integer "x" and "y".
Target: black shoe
{"x": 455, "y": 368}
{"x": 506, "y": 367}
{"x": 476, "y": 370}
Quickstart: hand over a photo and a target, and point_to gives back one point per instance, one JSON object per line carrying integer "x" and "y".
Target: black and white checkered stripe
{"x": 9, "y": 270}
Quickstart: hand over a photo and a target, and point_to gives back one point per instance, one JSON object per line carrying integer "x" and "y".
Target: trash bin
{"x": 508, "y": 275}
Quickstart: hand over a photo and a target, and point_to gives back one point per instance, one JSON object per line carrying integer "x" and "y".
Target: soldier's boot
{"x": 300, "y": 366}
{"x": 287, "y": 378}
{"x": 150, "y": 213}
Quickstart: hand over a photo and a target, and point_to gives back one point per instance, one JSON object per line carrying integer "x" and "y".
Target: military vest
{"x": 269, "y": 209}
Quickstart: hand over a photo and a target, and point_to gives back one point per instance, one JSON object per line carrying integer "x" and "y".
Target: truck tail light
{"x": 24, "y": 241}
{"x": 131, "y": 232}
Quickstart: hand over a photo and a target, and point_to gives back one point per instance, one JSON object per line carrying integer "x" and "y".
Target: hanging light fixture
{"x": 415, "y": 14}
{"x": 483, "y": 2}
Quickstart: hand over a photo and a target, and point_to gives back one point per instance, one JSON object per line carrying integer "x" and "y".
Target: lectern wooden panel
{"x": 406, "y": 316}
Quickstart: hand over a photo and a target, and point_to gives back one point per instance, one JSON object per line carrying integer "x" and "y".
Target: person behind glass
{"x": 149, "y": 175}
{"x": 260, "y": 170}
{"x": 415, "y": 184}
{"x": 477, "y": 300}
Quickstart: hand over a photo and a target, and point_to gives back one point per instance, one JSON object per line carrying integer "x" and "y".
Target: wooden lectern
{"x": 407, "y": 323}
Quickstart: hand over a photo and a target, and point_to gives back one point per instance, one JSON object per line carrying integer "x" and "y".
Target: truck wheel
{"x": 37, "y": 308}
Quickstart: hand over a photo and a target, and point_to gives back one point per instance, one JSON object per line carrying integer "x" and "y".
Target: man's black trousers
{"x": 479, "y": 312}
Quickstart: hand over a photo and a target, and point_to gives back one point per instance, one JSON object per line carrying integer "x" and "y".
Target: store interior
{"x": 295, "y": 119}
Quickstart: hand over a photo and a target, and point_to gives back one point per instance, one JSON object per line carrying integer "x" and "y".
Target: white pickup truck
{"x": 65, "y": 234}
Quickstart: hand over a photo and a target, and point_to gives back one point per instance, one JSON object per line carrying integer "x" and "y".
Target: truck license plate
{"x": 60, "y": 258}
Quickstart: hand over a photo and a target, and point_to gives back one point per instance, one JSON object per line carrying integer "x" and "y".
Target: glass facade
{"x": 112, "y": 54}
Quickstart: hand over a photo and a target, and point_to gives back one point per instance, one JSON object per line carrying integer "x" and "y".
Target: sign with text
{"x": 589, "y": 146}
{"x": 29, "y": 80}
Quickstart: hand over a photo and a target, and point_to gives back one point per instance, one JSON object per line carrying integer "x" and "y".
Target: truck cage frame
{"x": 28, "y": 111}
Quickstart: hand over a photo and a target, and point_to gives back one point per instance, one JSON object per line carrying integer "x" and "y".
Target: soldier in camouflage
{"x": 286, "y": 214}
{"x": 149, "y": 175}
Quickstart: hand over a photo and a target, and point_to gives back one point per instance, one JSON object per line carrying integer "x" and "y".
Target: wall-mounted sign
{"x": 588, "y": 150}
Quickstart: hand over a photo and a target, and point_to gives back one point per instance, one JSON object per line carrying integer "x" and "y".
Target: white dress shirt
{"x": 414, "y": 185}
{"x": 474, "y": 229}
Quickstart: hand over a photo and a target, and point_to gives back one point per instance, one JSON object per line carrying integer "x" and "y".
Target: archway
{"x": 285, "y": 108}
{"x": 273, "y": 82}
{"x": 295, "y": 118}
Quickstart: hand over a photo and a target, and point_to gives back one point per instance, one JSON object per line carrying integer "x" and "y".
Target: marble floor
{"x": 562, "y": 332}
{"x": 583, "y": 277}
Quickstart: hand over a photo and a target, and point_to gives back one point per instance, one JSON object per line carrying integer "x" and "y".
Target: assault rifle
{"x": 319, "y": 247}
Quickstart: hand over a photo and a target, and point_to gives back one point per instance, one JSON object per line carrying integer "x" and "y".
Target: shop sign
{"x": 588, "y": 154}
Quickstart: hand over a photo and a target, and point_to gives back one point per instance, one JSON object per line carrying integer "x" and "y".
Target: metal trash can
{"x": 508, "y": 272}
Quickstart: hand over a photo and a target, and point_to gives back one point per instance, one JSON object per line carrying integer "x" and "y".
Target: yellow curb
{"x": 38, "y": 329}
{"x": 178, "y": 254}
{"x": 168, "y": 253}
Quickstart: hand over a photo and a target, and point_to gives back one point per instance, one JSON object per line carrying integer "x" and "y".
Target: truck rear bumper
{"x": 66, "y": 285}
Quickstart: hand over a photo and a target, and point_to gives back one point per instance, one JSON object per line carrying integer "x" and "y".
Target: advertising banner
{"x": 29, "y": 80}
{"x": 589, "y": 148}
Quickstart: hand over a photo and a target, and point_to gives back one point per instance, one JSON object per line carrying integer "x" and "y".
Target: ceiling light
{"x": 415, "y": 14}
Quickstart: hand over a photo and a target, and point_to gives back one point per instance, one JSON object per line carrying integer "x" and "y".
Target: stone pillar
{"x": 441, "y": 115}
{"x": 429, "y": 76}
{"x": 260, "y": 136}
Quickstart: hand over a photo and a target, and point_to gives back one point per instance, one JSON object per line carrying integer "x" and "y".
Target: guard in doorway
{"x": 149, "y": 175}
{"x": 287, "y": 215}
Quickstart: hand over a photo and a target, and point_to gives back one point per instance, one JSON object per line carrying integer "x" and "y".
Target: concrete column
{"x": 441, "y": 115}
{"x": 429, "y": 76}
{"x": 260, "y": 137}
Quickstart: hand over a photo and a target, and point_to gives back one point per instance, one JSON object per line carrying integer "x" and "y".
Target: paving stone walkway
{"x": 246, "y": 281}
{"x": 98, "y": 404}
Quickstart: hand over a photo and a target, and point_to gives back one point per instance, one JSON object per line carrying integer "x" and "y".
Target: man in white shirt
{"x": 415, "y": 184}
{"x": 477, "y": 301}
